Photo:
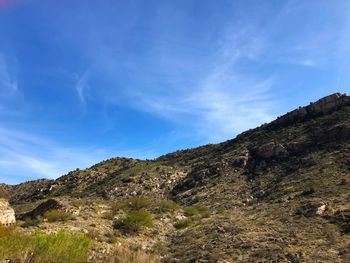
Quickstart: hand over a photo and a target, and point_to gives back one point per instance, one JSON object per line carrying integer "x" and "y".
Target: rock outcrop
{"x": 7, "y": 214}
{"x": 311, "y": 209}
{"x": 270, "y": 150}
{"x": 242, "y": 160}
{"x": 41, "y": 209}
{"x": 320, "y": 107}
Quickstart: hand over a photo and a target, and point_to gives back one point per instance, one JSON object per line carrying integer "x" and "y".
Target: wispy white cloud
{"x": 27, "y": 156}
{"x": 8, "y": 81}
{"x": 177, "y": 83}
{"x": 305, "y": 34}
{"x": 81, "y": 85}
{"x": 9, "y": 88}
{"x": 214, "y": 82}
{"x": 24, "y": 153}
{"x": 225, "y": 114}
{"x": 211, "y": 87}
{"x": 219, "y": 106}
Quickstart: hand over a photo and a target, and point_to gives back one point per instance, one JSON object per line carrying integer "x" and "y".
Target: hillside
{"x": 277, "y": 193}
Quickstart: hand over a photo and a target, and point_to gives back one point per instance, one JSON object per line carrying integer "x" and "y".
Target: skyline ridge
{"x": 335, "y": 101}
{"x": 85, "y": 81}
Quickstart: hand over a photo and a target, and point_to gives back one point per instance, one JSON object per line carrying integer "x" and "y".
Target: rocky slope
{"x": 277, "y": 193}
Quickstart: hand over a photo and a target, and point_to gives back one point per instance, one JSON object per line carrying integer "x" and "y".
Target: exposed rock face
{"x": 50, "y": 204}
{"x": 322, "y": 106}
{"x": 7, "y": 214}
{"x": 270, "y": 150}
{"x": 42, "y": 208}
{"x": 242, "y": 160}
{"x": 327, "y": 104}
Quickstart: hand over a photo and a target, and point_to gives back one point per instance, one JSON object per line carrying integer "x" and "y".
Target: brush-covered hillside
{"x": 277, "y": 193}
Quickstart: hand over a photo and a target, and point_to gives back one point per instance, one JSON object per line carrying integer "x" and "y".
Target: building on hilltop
{"x": 7, "y": 214}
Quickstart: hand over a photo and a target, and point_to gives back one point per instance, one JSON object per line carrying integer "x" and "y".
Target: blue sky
{"x": 85, "y": 80}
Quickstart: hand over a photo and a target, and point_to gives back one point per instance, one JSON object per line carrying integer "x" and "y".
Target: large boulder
{"x": 7, "y": 214}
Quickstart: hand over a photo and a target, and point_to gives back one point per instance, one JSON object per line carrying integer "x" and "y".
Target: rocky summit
{"x": 277, "y": 193}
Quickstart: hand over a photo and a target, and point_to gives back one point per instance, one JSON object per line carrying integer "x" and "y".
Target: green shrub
{"x": 145, "y": 203}
{"x": 191, "y": 211}
{"x": 197, "y": 211}
{"x": 57, "y": 215}
{"x": 44, "y": 248}
{"x": 183, "y": 223}
{"x": 164, "y": 206}
{"x": 139, "y": 203}
{"x": 31, "y": 222}
{"x": 134, "y": 222}
{"x": 132, "y": 204}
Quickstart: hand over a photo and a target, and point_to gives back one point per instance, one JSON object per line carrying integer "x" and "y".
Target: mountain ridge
{"x": 276, "y": 193}
{"x": 325, "y": 105}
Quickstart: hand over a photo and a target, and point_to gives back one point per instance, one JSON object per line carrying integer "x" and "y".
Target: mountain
{"x": 276, "y": 193}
